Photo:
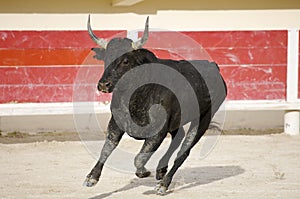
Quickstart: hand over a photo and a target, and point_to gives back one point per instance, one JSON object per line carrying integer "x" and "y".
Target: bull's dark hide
{"x": 153, "y": 97}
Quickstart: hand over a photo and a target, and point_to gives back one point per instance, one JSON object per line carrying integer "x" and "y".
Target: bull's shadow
{"x": 184, "y": 179}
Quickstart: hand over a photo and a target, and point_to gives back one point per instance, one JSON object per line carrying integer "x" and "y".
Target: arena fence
{"x": 39, "y": 69}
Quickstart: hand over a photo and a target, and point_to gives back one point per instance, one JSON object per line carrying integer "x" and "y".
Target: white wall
{"x": 169, "y": 20}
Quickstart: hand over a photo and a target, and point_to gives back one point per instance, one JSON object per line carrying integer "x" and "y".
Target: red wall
{"x": 57, "y": 66}
{"x": 42, "y": 66}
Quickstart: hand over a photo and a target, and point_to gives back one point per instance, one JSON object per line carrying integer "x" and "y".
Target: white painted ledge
{"x": 24, "y": 109}
{"x": 256, "y": 105}
{"x": 30, "y": 109}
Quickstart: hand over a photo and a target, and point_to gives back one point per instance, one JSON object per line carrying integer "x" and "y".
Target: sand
{"x": 239, "y": 166}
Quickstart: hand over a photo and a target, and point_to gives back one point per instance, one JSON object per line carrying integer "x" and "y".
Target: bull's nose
{"x": 104, "y": 86}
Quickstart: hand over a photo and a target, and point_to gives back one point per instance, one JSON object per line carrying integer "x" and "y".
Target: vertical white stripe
{"x": 292, "y": 65}
{"x": 132, "y": 35}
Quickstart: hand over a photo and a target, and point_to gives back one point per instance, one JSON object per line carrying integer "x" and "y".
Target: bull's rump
{"x": 206, "y": 80}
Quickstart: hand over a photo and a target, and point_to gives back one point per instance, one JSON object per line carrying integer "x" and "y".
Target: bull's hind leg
{"x": 114, "y": 135}
{"x": 149, "y": 147}
{"x": 162, "y": 167}
{"x": 192, "y": 137}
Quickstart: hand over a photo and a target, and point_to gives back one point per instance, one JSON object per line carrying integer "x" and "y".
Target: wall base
{"x": 259, "y": 120}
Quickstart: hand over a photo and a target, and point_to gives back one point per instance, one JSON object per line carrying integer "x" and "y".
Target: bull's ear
{"x": 100, "y": 53}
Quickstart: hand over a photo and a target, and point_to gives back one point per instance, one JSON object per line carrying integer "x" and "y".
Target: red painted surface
{"x": 39, "y": 57}
{"x": 38, "y": 75}
{"x": 52, "y": 39}
{"x": 255, "y": 82}
{"x": 58, "y": 66}
{"x": 253, "y": 63}
{"x": 45, "y": 66}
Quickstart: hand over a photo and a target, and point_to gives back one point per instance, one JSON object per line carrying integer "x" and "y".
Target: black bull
{"x": 153, "y": 97}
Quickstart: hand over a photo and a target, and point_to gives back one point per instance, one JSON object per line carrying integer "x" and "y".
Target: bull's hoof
{"x": 160, "y": 189}
{"x": 143, "y": 173}
{"x": 160, "y": 173}
{"x": 90, "y": 182}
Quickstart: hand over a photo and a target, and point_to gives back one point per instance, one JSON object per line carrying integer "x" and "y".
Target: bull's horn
{"x": 99, "y": 41}
{"x": 139, "y": 43}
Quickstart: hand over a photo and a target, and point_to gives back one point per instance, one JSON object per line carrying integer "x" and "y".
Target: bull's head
{"x": 123, "y": 64}
{"x": 111, "y": 51}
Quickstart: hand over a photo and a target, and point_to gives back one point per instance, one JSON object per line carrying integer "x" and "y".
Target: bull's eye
{"x": 125, "y": 61}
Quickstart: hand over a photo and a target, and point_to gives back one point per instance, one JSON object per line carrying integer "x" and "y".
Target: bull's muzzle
{"x": 104, "y": 87}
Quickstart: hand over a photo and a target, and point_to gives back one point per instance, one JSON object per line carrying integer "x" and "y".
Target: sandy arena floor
{"x": 266, "y": 166}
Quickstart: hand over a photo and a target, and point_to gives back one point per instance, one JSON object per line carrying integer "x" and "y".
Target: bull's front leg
{"x": 149, "y": 147}
{"x": 113, "y": 138}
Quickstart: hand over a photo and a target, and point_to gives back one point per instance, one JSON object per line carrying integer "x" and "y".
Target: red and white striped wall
{"x": 42, "y": 66}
